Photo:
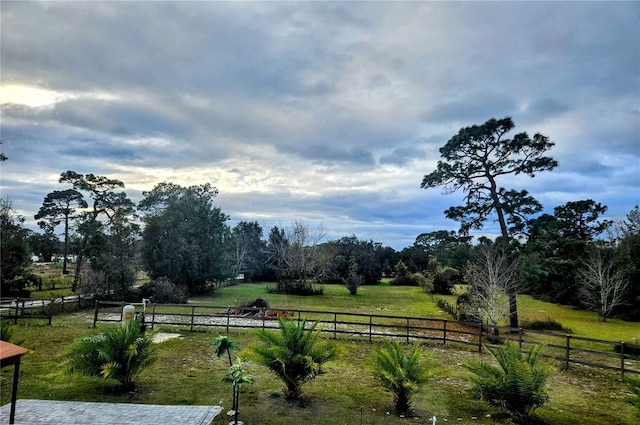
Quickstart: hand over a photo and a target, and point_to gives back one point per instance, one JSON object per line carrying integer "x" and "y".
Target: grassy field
{"x": 187, "y": 371}
{"x": 413, "y": 301}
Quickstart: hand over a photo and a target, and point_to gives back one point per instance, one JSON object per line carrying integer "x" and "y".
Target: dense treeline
{"x": 183, "y": 241}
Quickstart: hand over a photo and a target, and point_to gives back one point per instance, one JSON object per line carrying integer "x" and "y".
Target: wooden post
{"x": 566, "y": 361}
{"x": 407, "y": 330}
{"x": 228, "y": 318}
{"x": 622, "y": 358}
{"x": 193, "y": 312}
{"x": 335, "y": 325}
{"x": 53, "y": 300}
{"x": 370, "y": 326}
{"x": 153, "y": 316}
{"x": 95, "y": 314}
{"x": 480, "y": 337}
{"x": 444, "y": 332}
{"x": 520, "y": 338}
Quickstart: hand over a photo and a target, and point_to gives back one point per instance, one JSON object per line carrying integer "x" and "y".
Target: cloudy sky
{"x": 329, "y": 113}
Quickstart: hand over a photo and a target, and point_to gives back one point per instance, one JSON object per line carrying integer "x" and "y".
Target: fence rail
{"x": 31, "y": 308}
{"x": 567, "y": 349}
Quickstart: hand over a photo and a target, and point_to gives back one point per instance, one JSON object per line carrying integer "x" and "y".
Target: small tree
{"x": 603, "y": 288}
{"x": 295, "y": 355}
{"x": 400, "y": 372}
{"x": 354, "y": 279}
{"x": 516, "y": 383}
{"x": 119, "y": 353}
{"x": 237, "y": 376}
{"x": 224, "y": 345}
{"x": 491, "y": 278}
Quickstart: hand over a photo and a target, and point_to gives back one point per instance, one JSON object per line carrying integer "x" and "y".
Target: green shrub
{"x": 516, "y": 383}
{"x": 400, "y": 372}
{"x": 163, "y": 291}
{"x": 446, "y": 279}
{"x": 295, "y": 288}
{"x": 119, "y": 353}
{"x": 544, "y": 325}
{"x": 295, "y": 355}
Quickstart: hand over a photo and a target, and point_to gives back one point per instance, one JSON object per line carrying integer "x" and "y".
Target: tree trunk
{"x": 511, "y": 291}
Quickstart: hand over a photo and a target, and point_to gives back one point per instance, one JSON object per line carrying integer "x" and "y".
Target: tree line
{"x": 183, "y": 241}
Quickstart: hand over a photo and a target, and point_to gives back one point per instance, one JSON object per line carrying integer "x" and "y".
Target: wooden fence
{"x": 30, "y": 308}
{"x": 567, "y": 349}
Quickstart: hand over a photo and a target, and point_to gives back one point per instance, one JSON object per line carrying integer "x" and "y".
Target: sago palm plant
{"x": 400, "y": 372}
{"x": 295, "y": 354}
{"x": 516, "y": 383}
{"x": 119, "y": 353}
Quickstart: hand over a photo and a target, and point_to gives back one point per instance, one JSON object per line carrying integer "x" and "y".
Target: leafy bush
{"x": 544, "y": 325}
{"x": 162, "y": 290}
{"x": 295, "y": 355}
{"x": 119, "y": 353}
{"x": 294, "y": 288}
{"x": 400, "y": 372}
{"x": 404, "y": 278}
{"x": 516, "y": 383}
{"x": 446, "y": 279}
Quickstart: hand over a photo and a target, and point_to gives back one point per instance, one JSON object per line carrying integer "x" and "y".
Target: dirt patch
{"x": 163, "y": 336}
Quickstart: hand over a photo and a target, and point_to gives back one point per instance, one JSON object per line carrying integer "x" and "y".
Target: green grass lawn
{"x": 188, "y": 372}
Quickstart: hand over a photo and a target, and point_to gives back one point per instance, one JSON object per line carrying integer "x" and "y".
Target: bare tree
{"x": 603, "y": 287}
{"x": 301, "y": 256}
{"x": 492, "y": 278}
{"x": 295, "y": 253}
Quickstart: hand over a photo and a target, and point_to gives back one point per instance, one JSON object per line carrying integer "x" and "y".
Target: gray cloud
{"x": 326, "y": 111}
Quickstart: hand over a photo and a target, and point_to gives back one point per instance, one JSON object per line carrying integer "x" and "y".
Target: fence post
{"x": 520, "y": 338}
{"x": 228, "y": 314}
{"x": 407, "y": 330}
{"x": 480, "y": 337}
{"x": 264, "y": 316}
{"x": 444, "y": 332}
{"x": 193, "y": 312}
{"x": 335, "y": 325}
{"x": 95, "y": 314}
{"x": 566, "y": 361}
{"x": 370, "y": 326}
{"x": 153, "y": 316}
{"x": 53, "y": 300}
{"x": 622, "y": 358}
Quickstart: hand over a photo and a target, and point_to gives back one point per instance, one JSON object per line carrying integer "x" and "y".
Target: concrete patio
{"x": 51, "y": 412}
